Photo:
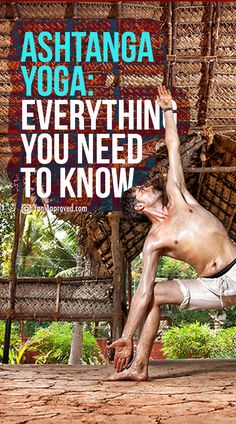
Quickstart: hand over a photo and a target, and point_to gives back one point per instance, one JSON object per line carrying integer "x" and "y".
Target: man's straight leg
{"x": 167, "y": 292}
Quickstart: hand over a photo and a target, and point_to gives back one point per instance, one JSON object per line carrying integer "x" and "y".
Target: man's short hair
{"x": 128, "y": 202}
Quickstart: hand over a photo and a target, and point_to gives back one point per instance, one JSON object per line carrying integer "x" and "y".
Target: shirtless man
{"x": 181, "y": 230}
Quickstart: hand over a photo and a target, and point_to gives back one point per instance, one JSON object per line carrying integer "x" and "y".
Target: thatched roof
{"x": 201, "y": 56}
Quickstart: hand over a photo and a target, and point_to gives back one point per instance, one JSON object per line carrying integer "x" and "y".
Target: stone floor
{"x": 178, "y": 392}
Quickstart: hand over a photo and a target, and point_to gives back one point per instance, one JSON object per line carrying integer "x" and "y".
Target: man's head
{"x": 138, "y": 201}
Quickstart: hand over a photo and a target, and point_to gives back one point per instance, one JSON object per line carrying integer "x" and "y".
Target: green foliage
{"x": 17, "y": 350}
{"x": 30, "y": 327}
{"x": 48, "y": 247}
{"x": 14, "y": 341}
{"x": 183, "y": 316}
{"x": 168, "y": 268}
{"x": 16, "y": 356}
{"x": 172, "y": 268}
{"x": 104, "y": 330}
{"x": 91, "y": 352}
{"x": 53, "y": 343}
{"x": 230, "y": 317}
{"x": 187, "y": 341}
{"x": 199, "y": 341}
{"x": 6, "y": 227}
{"x": 225, "y": 344}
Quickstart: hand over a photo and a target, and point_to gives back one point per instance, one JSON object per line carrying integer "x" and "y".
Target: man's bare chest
{"x": 179, "y": 229}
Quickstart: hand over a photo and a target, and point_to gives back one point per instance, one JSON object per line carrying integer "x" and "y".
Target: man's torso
{"x": 192, "y": 234}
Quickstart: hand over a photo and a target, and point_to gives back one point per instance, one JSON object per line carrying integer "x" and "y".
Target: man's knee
{"x": 160, "y": 294}
{"x": 167, "y": 292}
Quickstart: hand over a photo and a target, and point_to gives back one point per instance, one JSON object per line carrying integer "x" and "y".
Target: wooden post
{"x": 169, "y": 42}
{"x": 129, "y": 283}
{"x": 210, "y": 169}
{"x": 114, "y": 220}
{"x": 12, "y": 285}
{"x": 124, "y": 261}
{"x": 174, "y": 45}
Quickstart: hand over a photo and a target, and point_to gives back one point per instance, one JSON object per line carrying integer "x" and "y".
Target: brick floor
{"x": 178, "y": 392}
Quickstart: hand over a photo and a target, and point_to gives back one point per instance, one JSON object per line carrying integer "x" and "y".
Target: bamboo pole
{"x": 202, "y": 114}
{"x": 12, "y": 285}
{"x": 231, "y": 219}
{"x": 124, "y": 278}
{"x": 15, "y": 10}
{"x": 174, "y": 46}
{"x": 201, "y": 177}
{"x": 208, "y": 169}
{"x": 169, "y": 42}
{"x": 212, "y": 65}
{"x": 129, "y": 283}
{"x": 222, "y": 129}
{"x": 114, "y": 220}
{"x": 201, "y": 59}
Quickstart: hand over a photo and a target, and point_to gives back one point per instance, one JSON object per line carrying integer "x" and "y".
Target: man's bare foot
{"x": 130, "y": 374}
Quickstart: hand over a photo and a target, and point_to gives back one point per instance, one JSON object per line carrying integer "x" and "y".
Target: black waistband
{"x": 223, "y": 271}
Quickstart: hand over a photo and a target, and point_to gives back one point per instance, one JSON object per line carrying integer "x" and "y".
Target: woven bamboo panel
{"x": 187, "y": 80}
{"x": 6, "y": 27}
{"x": 225, "y": 68}
{"x": 218, "y": 113}
{"x": 225, "y": 80}
{"x": 228, "y": 13}
{"x": 219, "y": 101}
{"x": 3, "y": 7}
{"x": 3, "y": 65}
{"x": 4, "y": 52}
{"x": 221, "y": 121}
{"x": 191, "y": 14}
{"x": 95, "y": 10}
{"x": 189, "y": 39}
{"x": 212, "y": 199}
{"x": 226, "y": 42}
{"x": 42, "y": 10}
{"x": 4, "y": 109}
{"x": 4, "y": 293}
{"x": 5, "y": 77}
{"x": 154, "y": 11}
{"x": 5, "y": 41}
{"x": 74, "y": 299}
{"x": 141, "y": 80}
{"x": 192, "y": 68}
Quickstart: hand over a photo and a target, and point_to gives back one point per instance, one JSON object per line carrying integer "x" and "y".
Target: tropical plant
{"x": 199, "y": 341}
{"x": 52, "y": 345}
{"x": 48, "y": 247}
{"x": 17, "y": 349}
{"x": 188, "y": 341}
{"x": 92, "y": 353}
{"x": 225, "y": 344}
{"x": 171, "y": 268}
{"x": 180, "y": 317}
{"x": 6, "y": 227}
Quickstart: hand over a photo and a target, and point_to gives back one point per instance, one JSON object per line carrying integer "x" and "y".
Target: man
{"x": 183, "y": 230}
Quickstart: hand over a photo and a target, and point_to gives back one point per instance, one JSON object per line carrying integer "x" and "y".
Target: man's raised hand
{"x": 164, "y": 98}
{"x": 123, "y": 353}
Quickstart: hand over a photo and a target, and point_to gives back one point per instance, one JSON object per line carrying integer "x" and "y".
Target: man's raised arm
{"x": 175, "y": 179}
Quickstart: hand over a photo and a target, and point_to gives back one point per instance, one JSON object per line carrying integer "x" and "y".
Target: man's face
{"x": 146, "y": 196}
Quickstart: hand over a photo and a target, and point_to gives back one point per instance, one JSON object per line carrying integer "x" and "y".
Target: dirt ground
{"x": 178, "y": 392}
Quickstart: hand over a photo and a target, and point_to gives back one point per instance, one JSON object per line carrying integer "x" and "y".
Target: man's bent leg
{"x": 167, "y": 292}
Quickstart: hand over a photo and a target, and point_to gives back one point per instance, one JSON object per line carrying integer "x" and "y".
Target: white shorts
{"x": 209, "y": 293}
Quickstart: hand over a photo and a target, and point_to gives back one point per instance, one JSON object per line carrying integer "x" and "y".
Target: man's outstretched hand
{"x": 123, "y": 353}
{"x": 164, "y": 98}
